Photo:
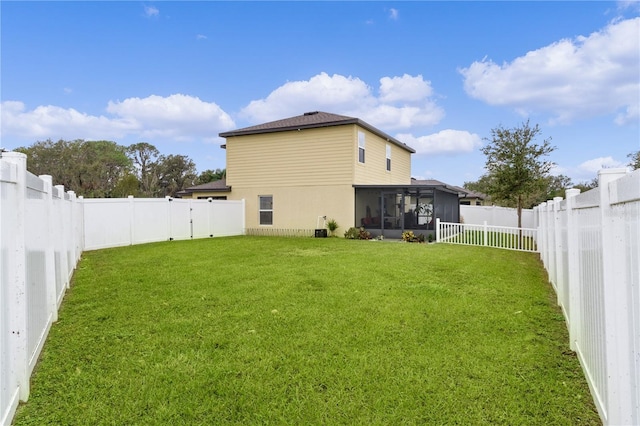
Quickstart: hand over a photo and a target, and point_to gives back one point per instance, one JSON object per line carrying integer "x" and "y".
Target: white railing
{"x": 504, "y": 237}
{"x": 43, "y": 232}
{"x": 590, "y": 247}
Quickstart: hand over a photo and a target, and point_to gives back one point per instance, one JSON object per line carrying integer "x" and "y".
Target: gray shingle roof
{"x": 311, "y": 120}
{"x": 215, "y": 186}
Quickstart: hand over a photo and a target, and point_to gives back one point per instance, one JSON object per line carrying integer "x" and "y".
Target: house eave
{"x": 350, "y": 121}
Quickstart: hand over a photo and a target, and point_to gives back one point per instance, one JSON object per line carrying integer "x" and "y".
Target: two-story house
{"x": 294, "y": 171}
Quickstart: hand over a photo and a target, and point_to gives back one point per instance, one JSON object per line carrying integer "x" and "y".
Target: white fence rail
{"x": 504, "y": 237}
{"x": 43, "y": 232}
{"x": 590, "y": 246}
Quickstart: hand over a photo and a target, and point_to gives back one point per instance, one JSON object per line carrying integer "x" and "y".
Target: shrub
{"x": 351, "y": 233}
{"x": 357, "y": 234}
{"x": 410, "y": 237}
{"x": 363, "y": 234}
{"x": 332, "y": 225}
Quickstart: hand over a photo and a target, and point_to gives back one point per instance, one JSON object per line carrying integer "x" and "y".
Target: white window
{"x": 266, "y": 209}
{"x": 361, "y": 147}
{"x": 388, "y": 158}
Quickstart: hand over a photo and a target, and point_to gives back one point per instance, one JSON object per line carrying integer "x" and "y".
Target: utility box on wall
{"x": 321, "y": 233}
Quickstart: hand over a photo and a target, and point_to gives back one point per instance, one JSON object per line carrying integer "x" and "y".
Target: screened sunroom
{"x": 389, "y": 210}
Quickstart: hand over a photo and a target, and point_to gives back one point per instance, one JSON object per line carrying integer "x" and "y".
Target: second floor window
{"x": 388, "y": 158}
{"x": 361, "y": 147}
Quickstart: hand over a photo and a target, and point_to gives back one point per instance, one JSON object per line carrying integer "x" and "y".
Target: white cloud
{"x": 393, "y": 14}
{"x": 176, "y": 117}
{"x": 201, "y": 37}
{"x": 405, "y": 88}
{"x": 444, "y": 142}
{"x": 151, "y": 12}
{"x": 49, "y": 121}
{"x": 584, "y": 77}
{"x": 591, "y": 167}
{"x": 404, "y": 102}
{"x": 628, "y": 4}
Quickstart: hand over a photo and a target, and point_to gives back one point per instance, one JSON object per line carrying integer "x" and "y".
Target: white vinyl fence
{"x": 41, "y": 240}
{"x": 43, "y": 232}
{"x": 496, "y": 216}
{"x": 590, "y": 246}
{"x": 126, "y": 221}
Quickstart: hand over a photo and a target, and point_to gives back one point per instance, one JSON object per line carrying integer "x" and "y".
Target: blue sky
{"x": 436, "y": 75}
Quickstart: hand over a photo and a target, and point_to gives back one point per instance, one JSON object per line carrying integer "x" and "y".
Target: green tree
{"x": 128, "y": 185}
{"x": 556, "y": 186}
{"x": 89, "y": 168}
{"x": 634, "y": 160}
{"x": 145, "y": 159}
{"x": 211, "y": 176}
{"x": 57, "y": 159}
{"x": 515, "y": 166}
{"x": 586, "y": 186}
{"x": 102, "y": 165}
{"x": 175, "y": 173}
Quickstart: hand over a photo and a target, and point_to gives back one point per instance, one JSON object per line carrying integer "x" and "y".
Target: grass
{"x": 266, "y": 330}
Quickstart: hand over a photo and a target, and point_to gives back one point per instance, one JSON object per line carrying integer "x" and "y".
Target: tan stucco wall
{"x": 298, "y": 207}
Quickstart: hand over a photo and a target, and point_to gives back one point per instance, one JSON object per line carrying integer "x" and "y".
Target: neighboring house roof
{"x": 311, "y": 120}
{"x": 471, "y": 194}
{"x": 439, "y": 184}
{"x": 215, "y": 186}
{"x": 465, "y": 193}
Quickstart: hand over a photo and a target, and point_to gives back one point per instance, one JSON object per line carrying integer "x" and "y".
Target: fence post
{"x": 437, "y": 229}
{"x": 132, "y": 220}
{"x": 17, "y": 273}
{"x": 244, "y": 223}
{"x": 73, "y": 232}
{"x": 49, "y": 259}
{"x": 618, "y": 348}
{"x": 62, "y": 243}
{"x": 542, "y": 233}
{"x": 557, "y": 240}
{"x": 485, "y": 234}
{"x": 81, "y": 239}
{"x": 168, "y": 199}
{"x": 573, "y": 269}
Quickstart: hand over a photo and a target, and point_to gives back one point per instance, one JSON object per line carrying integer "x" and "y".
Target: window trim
{"x": 361, "y": 147}
{"x": 263, "y": 210}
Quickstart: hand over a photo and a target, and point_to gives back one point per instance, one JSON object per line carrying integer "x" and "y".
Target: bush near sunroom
{"x": 357, "y": 234}
{"x": 410, "y": 237}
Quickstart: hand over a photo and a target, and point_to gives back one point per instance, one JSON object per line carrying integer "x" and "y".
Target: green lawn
{"x": 268, "y": 330}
